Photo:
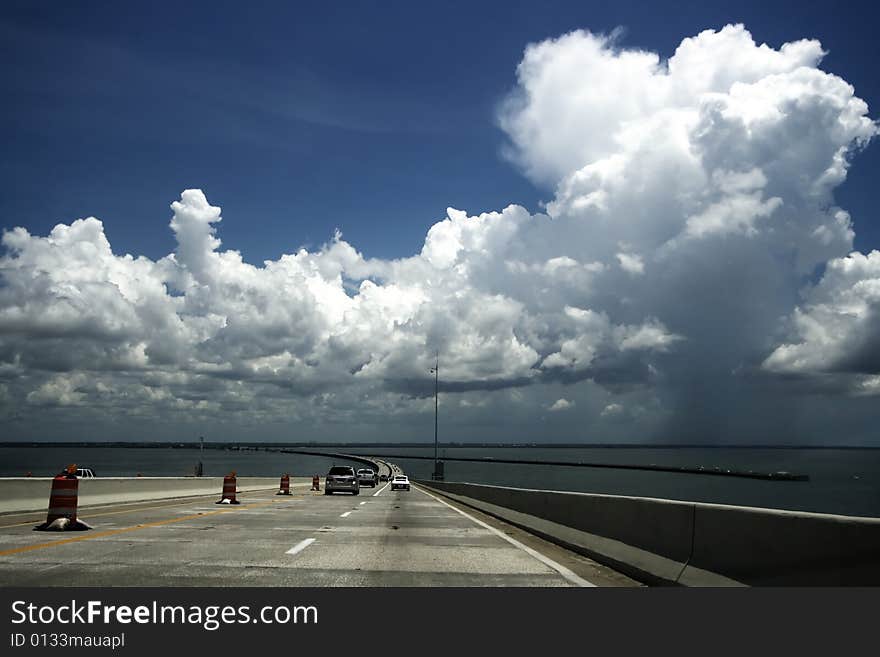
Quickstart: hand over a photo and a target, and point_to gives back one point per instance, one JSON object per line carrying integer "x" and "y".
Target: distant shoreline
{"x": 246, "y": 446}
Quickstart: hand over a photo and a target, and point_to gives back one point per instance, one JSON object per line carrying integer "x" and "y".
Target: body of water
{"x": 843, "y": 481}
{"x": 159, "y": 462}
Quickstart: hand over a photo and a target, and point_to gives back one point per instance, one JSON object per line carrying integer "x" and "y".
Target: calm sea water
{"x": 841, "y": 481}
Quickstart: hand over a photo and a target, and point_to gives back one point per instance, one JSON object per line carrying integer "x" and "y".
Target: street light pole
{"x": 436, "y": 396}
{"x": 437, "y": 475}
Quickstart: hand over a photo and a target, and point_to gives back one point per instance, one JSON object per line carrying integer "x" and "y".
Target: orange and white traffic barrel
{"x": 228, "y": 496}
{"x": 63, "y": 501}
{"x": 284, "y": 489}
{"x": 316, "y": 483}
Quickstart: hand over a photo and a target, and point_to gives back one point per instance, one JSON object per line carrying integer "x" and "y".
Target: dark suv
{"x": 341, "y": 477}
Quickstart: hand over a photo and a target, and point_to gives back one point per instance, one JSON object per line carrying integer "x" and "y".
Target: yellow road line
{"x": 38, "y": 519}
{"x": 22, "y": 524}
{"x": 109, "y": 513}
{"x": 113, "y": 532}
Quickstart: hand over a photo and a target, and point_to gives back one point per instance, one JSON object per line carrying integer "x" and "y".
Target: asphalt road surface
{"x": 378, "y": 538}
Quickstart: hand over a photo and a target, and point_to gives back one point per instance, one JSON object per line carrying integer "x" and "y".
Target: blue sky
{"x": 299, "y": 118}
{"x": 681, "y": 269}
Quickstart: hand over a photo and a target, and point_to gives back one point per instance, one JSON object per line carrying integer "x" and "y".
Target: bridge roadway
{"x": 378, "y": 538}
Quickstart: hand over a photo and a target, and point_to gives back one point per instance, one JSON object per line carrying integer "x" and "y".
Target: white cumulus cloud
{"x": 693, "y": 200}
{"x": 837, "y": 329}
{"x": 560, "y": 405}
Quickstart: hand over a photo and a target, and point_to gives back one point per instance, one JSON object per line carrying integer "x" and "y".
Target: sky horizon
{"x": 259, "y": 225}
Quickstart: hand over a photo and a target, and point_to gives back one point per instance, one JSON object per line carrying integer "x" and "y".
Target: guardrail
{"x": 690, "y": 543}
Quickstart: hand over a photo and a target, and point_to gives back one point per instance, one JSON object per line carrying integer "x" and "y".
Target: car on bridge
{"x": 341, "y": 478}
{"x": 400, "y": 482}
{"x": 367, "y": 477}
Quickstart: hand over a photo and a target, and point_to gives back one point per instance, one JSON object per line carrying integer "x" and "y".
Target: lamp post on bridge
{"x": 437, "y": 475}
{"x": 199, "y": 469}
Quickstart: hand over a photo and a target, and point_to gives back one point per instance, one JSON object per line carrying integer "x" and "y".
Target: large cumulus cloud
{"x": 668, "y": 280}
{"x": 837, "y": 329}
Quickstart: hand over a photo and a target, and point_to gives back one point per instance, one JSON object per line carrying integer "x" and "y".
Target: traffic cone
{"x": 228, "y": 496}
{"x": 316, "y": 483}
{"x": 63, "y": 501}
{"x": 285, "y": 485}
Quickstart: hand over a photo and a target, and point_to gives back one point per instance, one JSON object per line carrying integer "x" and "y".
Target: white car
{"x": 400, "y": 482}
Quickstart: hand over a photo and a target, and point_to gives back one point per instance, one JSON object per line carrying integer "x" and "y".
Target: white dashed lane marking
{"x": 299, "y": 547}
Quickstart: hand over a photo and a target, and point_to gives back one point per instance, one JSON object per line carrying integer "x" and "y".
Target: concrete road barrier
{"x": 25, "y": 494}
{"x": 783, "y": 548}
{"x": 690, "y": 543}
